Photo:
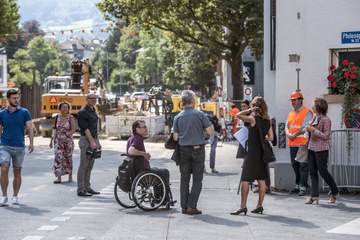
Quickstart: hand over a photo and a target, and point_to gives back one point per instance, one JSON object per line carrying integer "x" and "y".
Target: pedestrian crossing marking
{"x": 352, "y": 228}
{"x": 48, "y": 228}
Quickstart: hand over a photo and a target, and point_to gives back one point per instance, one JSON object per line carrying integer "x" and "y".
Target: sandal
{"x": 58, "y": 180}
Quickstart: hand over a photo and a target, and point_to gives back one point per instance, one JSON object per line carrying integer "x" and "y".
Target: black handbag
{"x": 268, "y": 155}
{"x": 171, "y": 143}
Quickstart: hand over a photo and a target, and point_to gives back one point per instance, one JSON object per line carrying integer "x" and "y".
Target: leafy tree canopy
{"x": 224, "y": 28}
{"x": 10, "y": 17}
{"x": 14, "y": 44}
{"x": 37, "y": 61}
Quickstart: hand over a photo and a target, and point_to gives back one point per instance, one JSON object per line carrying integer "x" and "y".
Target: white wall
{"x": 312, "y": 36}
{"x": 3, "y": 77}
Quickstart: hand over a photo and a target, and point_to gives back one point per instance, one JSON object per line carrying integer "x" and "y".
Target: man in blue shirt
{"x": 188, "y": 127}
{"x": 13, "y": 120}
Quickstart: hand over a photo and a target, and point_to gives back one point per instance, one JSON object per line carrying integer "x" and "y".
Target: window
{"x": 338, "y": 55}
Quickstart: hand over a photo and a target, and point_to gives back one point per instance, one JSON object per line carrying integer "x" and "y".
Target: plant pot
{"x": 334, "y": 98}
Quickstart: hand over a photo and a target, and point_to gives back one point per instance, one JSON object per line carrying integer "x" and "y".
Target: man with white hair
{"x": 188, "y": 128}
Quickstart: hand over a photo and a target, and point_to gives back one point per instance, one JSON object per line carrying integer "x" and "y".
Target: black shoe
{"x": 91, "y": 191}
{"x": 241, "y": 210}
{"x": 84, "y": 194}
{"x": 258, "y": 210}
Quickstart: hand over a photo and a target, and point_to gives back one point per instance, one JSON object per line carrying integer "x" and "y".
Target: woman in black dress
{"x": 254, "y": 167}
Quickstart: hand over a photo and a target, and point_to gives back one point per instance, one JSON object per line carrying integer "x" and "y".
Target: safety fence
{"x": 344, "y": 158}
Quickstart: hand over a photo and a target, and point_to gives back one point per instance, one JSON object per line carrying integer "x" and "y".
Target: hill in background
{"x": 66, "y": 15}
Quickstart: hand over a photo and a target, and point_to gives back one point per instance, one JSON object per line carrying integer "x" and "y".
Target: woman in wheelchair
{"x": 135, "y": 150}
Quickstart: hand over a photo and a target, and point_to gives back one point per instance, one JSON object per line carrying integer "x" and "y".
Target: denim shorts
{"x": 16, "y": 154}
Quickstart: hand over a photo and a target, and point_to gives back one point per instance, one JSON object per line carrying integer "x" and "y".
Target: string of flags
{"x": 15, "y": 36}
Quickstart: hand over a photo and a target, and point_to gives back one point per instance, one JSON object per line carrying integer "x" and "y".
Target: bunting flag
{"x": 88, "y": 30}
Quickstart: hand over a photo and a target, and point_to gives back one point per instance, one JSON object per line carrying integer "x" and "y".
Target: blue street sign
{"x": 350, "y": 37}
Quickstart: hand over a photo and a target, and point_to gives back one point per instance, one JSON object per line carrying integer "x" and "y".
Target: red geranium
{"x": 343, "y": 77}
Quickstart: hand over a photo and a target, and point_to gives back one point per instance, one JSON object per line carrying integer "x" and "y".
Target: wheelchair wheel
{"x": 123, "y": 198}
{"x": 148, "y": 190}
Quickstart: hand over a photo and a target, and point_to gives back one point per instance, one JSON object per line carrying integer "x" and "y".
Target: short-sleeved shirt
{"x": 13, "y": 124}
{"x": 137, "y": 141}
{"x": 190, "y": 125}
{"x": 88, "y": 119}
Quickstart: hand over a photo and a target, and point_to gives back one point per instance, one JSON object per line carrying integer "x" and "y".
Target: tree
{"x": 22, "y": 67}
{"x": 10, "y": 17}
{"x": 33, "y": 64}
{"x": 224, "y": 28}
{"x": 45, "y": 57}
{"x": 28, "y": 28}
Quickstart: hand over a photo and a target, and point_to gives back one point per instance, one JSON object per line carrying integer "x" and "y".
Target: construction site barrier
{"x": 344, "y": 159}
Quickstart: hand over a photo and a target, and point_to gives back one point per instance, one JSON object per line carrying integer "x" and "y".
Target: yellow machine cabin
{"x": 72, "y": 89}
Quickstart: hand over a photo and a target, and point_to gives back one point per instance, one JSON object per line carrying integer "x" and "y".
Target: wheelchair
{"x": 148, "y": 192}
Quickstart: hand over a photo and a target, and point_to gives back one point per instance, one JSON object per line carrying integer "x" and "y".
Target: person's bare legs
{"x": 262, "y": 190}
{"x": 244, "y": 194}
{"x": 70, "y": 177}
{"x": 17, "y": 181}
{"x": 4, "y": 178}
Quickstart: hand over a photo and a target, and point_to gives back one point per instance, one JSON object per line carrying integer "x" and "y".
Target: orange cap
{"x": 296, "y": 95}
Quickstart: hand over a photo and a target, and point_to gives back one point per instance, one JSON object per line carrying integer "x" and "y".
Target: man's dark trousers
{"x": 192, "y": 162}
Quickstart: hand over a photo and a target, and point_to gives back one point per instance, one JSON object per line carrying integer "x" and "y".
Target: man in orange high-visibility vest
{"x": 297, "y": 119}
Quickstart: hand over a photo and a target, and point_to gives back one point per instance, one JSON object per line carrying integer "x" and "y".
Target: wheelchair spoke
{"x": 148, "y": 191}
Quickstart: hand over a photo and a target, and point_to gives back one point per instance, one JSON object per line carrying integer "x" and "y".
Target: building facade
{"x": 302, "y": 38}
{"x": 3, "y": 70}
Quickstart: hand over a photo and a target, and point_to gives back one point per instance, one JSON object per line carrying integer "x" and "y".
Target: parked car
{"x": 141, "y": 95}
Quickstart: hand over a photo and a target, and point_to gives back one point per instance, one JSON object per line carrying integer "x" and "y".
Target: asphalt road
{"x": 54, "y": 211}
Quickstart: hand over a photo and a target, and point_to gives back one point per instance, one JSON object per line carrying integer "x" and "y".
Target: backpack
{"x": 126, "y": 174}
{"x": 273, "y": 125}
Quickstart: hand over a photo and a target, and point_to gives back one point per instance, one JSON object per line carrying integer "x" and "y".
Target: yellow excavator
{"x": 72, "y": 89}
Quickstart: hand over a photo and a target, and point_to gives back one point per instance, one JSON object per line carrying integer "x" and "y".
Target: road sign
{"x": 248, "y": 93}
{"x": 53, "y": 99}
{"x": 350, "y": 37}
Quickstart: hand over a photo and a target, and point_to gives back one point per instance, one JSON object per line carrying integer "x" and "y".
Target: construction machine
{"x": 72, "y": 89}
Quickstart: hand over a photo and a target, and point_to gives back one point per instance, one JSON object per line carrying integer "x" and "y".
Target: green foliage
{"x": 224, "y": 28}
{"x": 13, "y": 44}
{"x": 22, "y": 67}
{"x": 33, "y": 64}
{"x": 10, "y": 17}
